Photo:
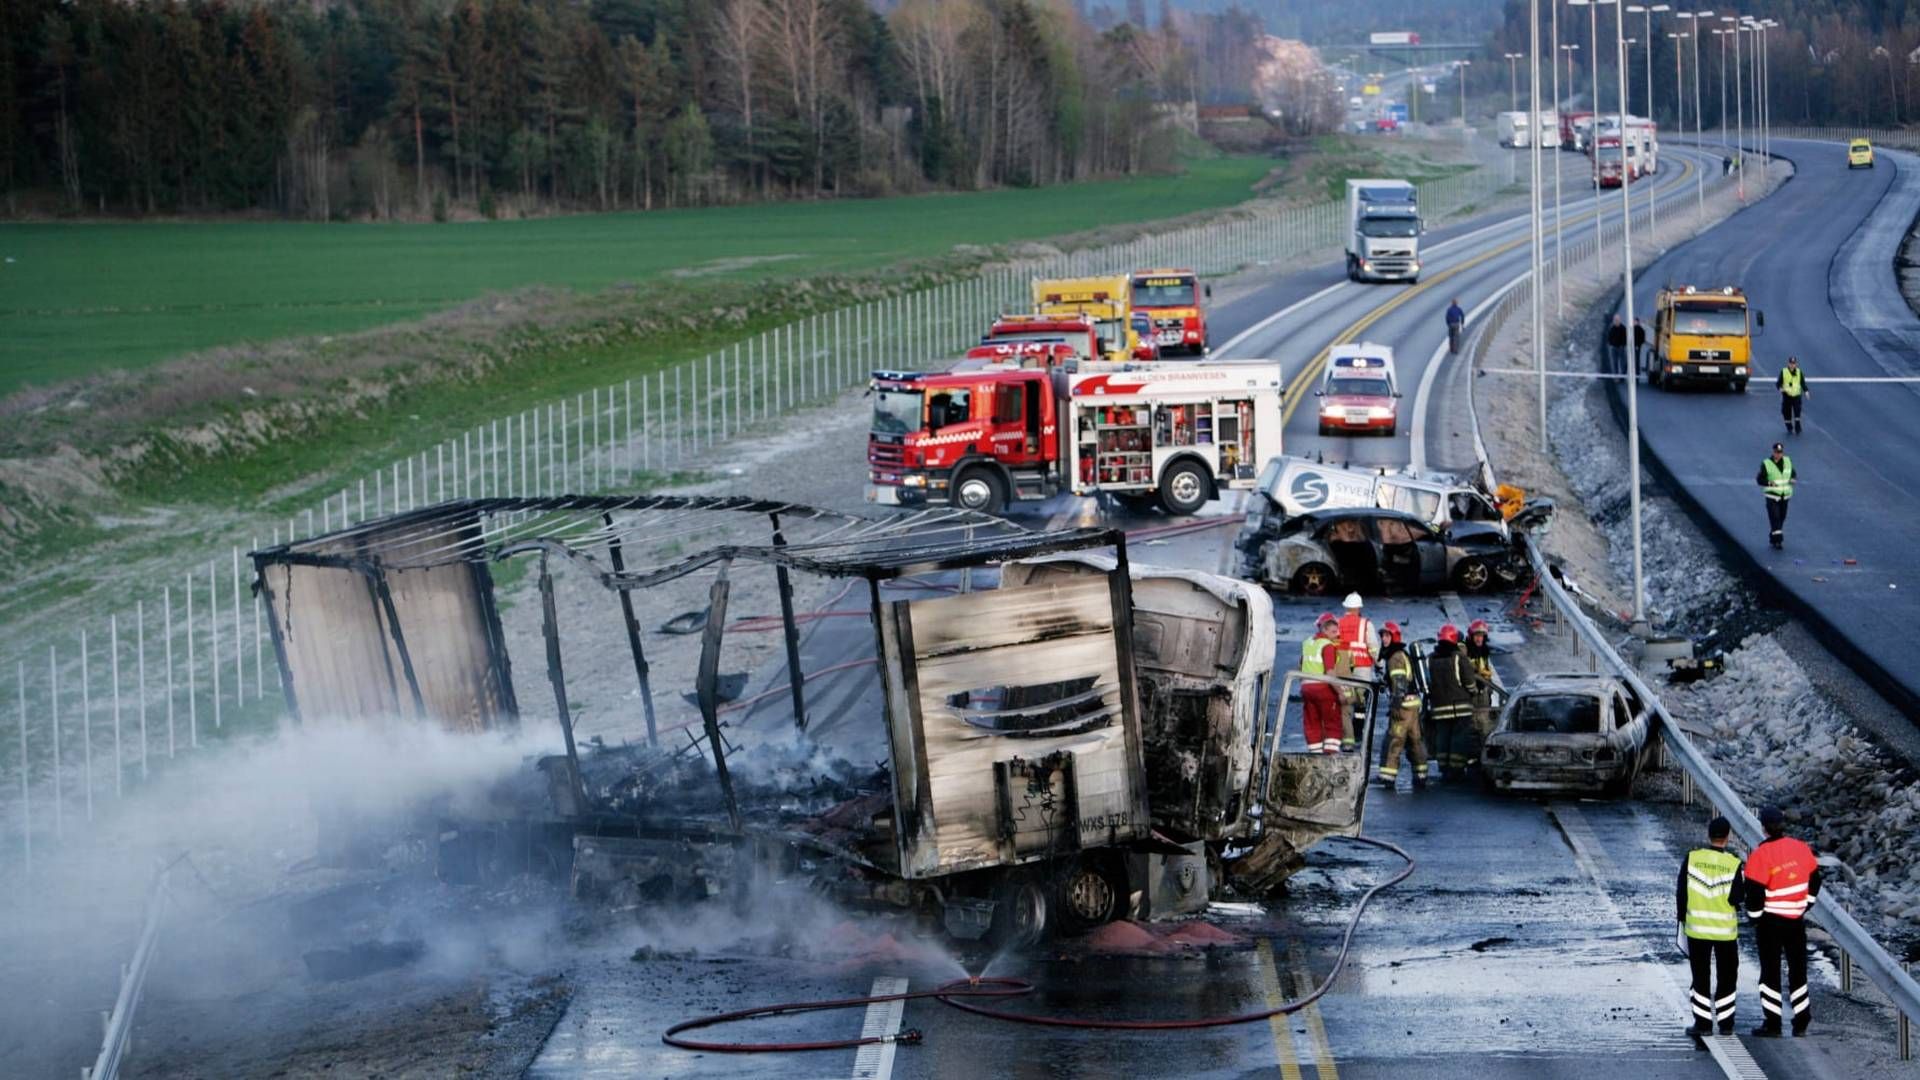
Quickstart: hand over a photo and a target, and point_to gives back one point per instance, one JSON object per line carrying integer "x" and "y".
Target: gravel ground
{"x": 1782, "y": 723}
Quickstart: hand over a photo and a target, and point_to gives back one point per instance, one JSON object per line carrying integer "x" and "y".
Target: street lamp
{"x": 1513, "y": 80}
{"x": 1739, "y": 105}
{"x": 1559, "y": 275}
{"x": 1535, "y": 215}
{"x": 1460, "y": 69}
{"x": 1700, "y": 175}
{"x": 1723, "y": 35}
{"x": 1626, "y": 281}
{"x": 1653, "y": 225}
{"x": 1593, "y": 147}
{"x": 1679, "y": 97}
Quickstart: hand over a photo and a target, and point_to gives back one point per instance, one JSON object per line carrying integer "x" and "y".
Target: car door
{"x": 1016, "y": 431}
{"x": 1431, "y": 551}
{"x": 1304, "y": 796}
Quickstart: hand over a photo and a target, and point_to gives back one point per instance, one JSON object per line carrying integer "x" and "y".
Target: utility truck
{"x": 982, "y": 438}
{"x": 1383, "y": 231}
{"x": 1105, "y": 300}
{"x": 1702, "y": 336}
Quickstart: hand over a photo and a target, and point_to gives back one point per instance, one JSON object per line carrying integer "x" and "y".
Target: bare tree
{"x": 739, "y": 39}
{"x": 807, "y": 35}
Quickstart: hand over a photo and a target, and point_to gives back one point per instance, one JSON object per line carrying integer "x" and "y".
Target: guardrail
{"x": 118, "y": 1040}
{"x": 1857, "y": 947}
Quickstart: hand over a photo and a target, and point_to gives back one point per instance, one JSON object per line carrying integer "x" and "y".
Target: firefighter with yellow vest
{"x": 1793, "y": 393}
{"x": 1710, "y": 887}
{"x": 1777, "y": 479}
{"x": 1404, "y": 734}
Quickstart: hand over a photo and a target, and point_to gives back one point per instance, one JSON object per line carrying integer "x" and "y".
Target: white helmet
{"x": 1352, "y": 602}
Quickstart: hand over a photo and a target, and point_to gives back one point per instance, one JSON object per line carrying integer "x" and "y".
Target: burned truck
{"x": 1058, "y": 738}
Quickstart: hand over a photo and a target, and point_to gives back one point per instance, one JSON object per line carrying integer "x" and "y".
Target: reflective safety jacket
{"x": 1398, "y": 664}
{"x": 1792, "y": 382}
{"x": 1311, "y": 654}
{"x": 1783, "y": 878}
{"x": 1710, "y": 884}
{"x": 1360, "y": 639}
{"x": 1777, "y": 480}
{"x": 1451, "y": 682}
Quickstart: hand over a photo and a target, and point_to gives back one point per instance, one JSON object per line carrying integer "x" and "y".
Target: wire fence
{"x": 117, "y": 697}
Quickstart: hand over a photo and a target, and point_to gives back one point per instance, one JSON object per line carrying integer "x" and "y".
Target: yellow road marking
{"x": 1296, "y": 390}
{"x": 1316, "y": 1029}
{"x": 1282, "y": 1025}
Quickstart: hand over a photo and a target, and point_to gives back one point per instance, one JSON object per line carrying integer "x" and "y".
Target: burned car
{"x": 1378, "y": 551}
{"x": 1571, "y": 732}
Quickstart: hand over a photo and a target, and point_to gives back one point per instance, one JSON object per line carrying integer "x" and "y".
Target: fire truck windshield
{"x": 1163, "y": 292}
{"x": 1709, "y": 319}
{"x": 896, "y": 412}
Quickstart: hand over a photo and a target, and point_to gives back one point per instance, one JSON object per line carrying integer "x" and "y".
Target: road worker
{"x": 1404, "y": 706}
{"x": 1710, "y": 887}
{"x": 1792, "y": 384}
{"x": 1321, "y": 704}
{"x": 1777, "y": 479}
{"x": 1782, "y": 882}
{"x": 1480, "y": 655}
{"x": 1450, "y": 684}
{"x": 1361, "y": 645}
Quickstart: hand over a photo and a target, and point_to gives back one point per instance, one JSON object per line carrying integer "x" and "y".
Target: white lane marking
{"x": 1417, "y": 431}
{"x": 1504, "y": 223}
{"x": 874, "y": 1061}
{"x": 1729, "y": 1053}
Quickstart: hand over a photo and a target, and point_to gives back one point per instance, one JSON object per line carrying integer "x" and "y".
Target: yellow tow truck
{"x": 1702, "y": 336}
{"x": 1107, "y": 300}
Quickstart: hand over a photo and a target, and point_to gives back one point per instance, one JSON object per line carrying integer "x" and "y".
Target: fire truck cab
{"x": 1171, "y": 298}
{"x": 982, "y": 438}
{"x": 1078, "y": 331}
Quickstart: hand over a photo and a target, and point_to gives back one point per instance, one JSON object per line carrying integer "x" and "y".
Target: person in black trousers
{"x": 1617, "y": 346}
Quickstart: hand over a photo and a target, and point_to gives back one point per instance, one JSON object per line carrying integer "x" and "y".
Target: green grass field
{"x": 81, "y": 298}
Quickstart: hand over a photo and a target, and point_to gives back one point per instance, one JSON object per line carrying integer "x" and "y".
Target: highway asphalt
{"x": 1817, "y": 258}
{"x": 1534, "y": 939}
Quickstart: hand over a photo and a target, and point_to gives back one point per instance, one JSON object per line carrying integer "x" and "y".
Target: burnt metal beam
{"x": 641, "y": 670}
{"x": 399, "y": 640}
{"x": 550, "y": 628}
{"x": 796, "y": 681}
{"x": 708, "y": 690}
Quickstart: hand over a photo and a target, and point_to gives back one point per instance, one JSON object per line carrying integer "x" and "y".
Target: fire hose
{"x": 959, "y": 993}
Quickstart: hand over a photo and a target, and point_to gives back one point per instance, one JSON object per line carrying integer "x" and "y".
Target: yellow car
{"x": 1859, "y": 154}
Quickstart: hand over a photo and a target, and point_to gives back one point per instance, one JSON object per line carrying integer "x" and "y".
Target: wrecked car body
{"x": 1081, "y": 741}
{"x": 1380, "y": 551}
{"x": 1569, "y": 732}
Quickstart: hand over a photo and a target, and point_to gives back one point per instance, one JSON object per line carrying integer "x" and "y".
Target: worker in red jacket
{"x": 1783, "y": 880}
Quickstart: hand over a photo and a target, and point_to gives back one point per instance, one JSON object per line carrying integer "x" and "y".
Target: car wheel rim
{"x": 1473, "y": 575}
{"x": 1313, "y": 581}
{"x": 1186, "y": 488}
{"x": 975, "y": 493}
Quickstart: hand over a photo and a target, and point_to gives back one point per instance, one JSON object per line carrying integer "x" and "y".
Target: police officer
{"x": 1404, "y": 708}
{"x": 1777, "y": 479}
{"x": 1793, "y": 393}
{"x": 1782, "y": 882}
{"x": 1710, "y": 886}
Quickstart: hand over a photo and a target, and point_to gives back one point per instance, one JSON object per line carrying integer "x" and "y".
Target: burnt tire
{"x": 979, "y": 490}
{"x": 1314, "y": 579}
{"x": 1473, "y": 575}
{"x": 1021, "y": 913}
{"x": 1090, "y": 895}
{"x": 1184, "y": 488}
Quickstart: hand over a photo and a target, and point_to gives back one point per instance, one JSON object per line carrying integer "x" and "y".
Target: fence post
{"x": 213, "y": 637}
{"x": 53, "y": 710}
{"x": 113, "y": 644}
{"x": 26, "y": 768}
{"x": 239, "y": 651}
{"x": 140, "y": 672}
{"x": 86, "y": 720}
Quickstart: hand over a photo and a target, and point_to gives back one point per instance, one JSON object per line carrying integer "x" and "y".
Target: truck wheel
{"x": 979, "y": 490}
{"x": 1313, "y": 579}
{"x": 1472, "y": 575}
{"x": 1020, "y": 913}
{"x": 1183, "y": 488}
{"x": 1089, "y": 896}
{"x": 1653, "y": 375}
{"x": 1739, "y": 386}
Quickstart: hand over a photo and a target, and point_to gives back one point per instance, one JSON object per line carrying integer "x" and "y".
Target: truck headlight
{"x": 913, "y": 480}
{"x": 1739, "y": 371}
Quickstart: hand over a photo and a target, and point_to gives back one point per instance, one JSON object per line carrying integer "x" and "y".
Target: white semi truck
{"x": 1383, "y": 231}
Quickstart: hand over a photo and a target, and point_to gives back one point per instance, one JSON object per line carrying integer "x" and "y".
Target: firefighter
{"x": 1405, "y": 710}
{"x": 1793, "y": 393}
{"x": 1777, "y": 478}
{"x": 1360, "y": 644}
{"x": 1782, "y": 882}
{"x": 1450, "y": 684}
{"x": 1321, "y": 703}
{"x": 1480, "y": 655}
{"x": 1710, "y": 887}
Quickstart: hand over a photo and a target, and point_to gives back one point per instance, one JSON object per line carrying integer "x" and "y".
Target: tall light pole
{"x": 1653, "y": 224}
{"x": 1534, "y": 208}
{"x": 1460, "y": 70}
{"x": 1722, "y": 35}
{"x": 1513, "y": 82}
{"x": 1739, "y": 109}
{"x": 1593, "y": 138}
{"x": 1679, "y": 97}
{"x": 1700, "y": 175}
{"x": 1626, "y": 281}
{"x": 1559, "y": 265}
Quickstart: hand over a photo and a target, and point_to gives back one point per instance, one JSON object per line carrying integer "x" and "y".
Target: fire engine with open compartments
{"x": 982, "y": 436}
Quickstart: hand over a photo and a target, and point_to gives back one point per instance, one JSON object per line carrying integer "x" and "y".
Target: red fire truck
{"x": 985, "y": 437}
{"x": 1171, "y": 298}
{"x": 1079, "y": 331}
